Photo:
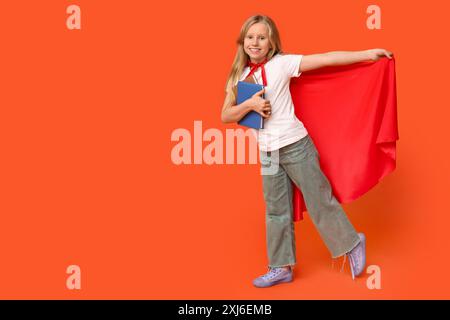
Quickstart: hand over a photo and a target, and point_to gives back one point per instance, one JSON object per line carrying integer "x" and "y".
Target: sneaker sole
{"x": 275, "y": 282}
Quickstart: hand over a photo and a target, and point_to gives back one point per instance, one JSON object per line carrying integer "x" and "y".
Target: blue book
{"x": 246, "y": 90}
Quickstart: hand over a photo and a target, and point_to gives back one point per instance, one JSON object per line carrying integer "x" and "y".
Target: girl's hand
{"x": 376, "y": 54}
{"x": 260, "y": 105}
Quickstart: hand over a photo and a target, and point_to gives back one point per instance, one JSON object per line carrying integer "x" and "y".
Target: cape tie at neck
{"x": 254, "y": 67}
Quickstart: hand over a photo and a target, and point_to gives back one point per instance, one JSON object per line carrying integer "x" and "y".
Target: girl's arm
{"x": 338, "y": 58}
{"x": 235, "y": 113}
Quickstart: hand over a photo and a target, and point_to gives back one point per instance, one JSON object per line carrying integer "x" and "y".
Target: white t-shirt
{"x": 282, "y": 127}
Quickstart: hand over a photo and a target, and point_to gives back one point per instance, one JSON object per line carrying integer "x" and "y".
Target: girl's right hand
{"x": 260, "y": 105}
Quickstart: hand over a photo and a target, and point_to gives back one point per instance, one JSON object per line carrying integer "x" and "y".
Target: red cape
{"x": 350, "y": 113}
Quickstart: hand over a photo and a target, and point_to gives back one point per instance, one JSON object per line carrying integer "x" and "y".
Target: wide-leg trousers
{"x": 299, "y": 162}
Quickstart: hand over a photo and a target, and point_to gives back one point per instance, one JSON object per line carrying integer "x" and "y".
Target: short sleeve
{"x": 292, "y": 64}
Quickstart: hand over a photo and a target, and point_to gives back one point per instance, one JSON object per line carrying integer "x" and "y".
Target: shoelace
{"x": 354, "y": 261}
{"x": 272, "y": 273}
{"x": 350, "y": 260}
{"x": 343, "y": 262}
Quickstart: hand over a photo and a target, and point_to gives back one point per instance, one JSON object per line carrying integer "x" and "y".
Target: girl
{"x": 259, "y": 59}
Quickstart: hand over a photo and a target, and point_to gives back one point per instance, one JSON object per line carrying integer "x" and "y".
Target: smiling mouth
{"x": 255, "y": 50}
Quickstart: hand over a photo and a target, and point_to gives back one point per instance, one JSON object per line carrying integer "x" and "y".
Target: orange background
{"x": 87, "y": 179}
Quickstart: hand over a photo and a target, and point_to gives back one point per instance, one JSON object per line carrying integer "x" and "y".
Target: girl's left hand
{"x": 375, "y": 54}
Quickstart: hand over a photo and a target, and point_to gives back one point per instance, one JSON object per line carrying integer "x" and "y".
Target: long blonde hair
{"x": 241, "y": 58}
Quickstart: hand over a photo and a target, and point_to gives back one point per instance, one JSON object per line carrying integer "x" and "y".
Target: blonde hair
{"x": 241, "y": 58}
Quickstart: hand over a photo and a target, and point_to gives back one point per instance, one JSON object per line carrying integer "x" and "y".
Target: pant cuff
{"x": 292, "y": 265}
{"x": 348, "y": 250}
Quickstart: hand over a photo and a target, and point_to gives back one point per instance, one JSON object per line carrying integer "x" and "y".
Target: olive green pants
{"x": 299, "y": 163}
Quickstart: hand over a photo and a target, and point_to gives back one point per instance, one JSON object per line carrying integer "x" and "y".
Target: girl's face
{"x": 256, "y": 42}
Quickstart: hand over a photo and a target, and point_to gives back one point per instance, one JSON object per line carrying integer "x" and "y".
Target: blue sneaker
{"x": 273, "y": 277}
{"x": 357, "y": 257}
